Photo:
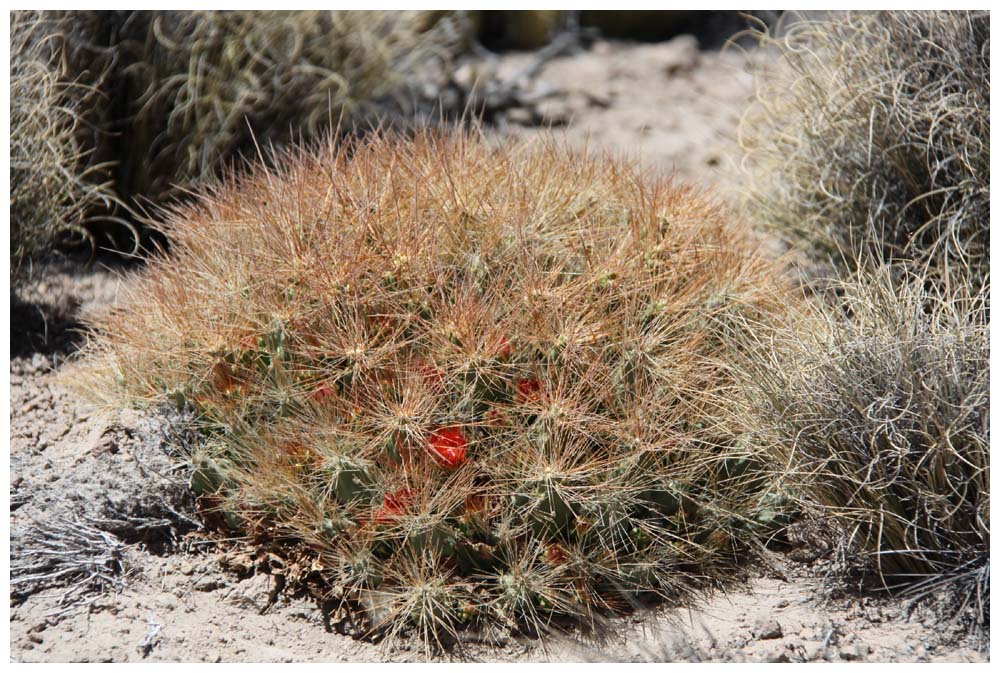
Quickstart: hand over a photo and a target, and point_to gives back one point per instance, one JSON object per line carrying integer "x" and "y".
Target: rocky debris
{"x": 670, "y": 104}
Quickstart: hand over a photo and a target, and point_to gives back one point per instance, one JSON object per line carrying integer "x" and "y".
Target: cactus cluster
{"x": 479, "y": 384}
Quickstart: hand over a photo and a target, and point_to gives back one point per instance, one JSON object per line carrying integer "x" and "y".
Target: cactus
{"x": 465, "y": 410}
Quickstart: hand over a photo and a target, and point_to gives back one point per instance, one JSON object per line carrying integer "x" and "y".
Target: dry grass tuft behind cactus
{"x": 479, "y": 385}
{"x": 879, "y": 409}
{"x": 188, "y": 91}
{"x": 875, "y": 145}
{"x": 53, "y": 187}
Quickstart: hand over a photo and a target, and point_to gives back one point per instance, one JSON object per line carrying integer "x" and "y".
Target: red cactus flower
{"x": 556, "y": 555}
{"x": 529, "y": 390}
{"x": 496, "y": 418}
{"x": 504, "y": 350}
{"x": 394, "y": 505}
{"x": 428, "y": 372}
{"x": 322, "y": 393}
{"x": 449, "y": 446}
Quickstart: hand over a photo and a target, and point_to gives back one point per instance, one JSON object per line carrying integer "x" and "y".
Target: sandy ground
{"x": 671, "y": 105}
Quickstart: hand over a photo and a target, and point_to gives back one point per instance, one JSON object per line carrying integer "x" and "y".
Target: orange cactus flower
{"x": 299, "y": 454}
{"x": 449, "y": 446}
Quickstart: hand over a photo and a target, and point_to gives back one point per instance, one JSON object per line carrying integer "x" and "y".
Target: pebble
{"x": 168, "y": 603}
{"x": 521, "y": 116}
{"x": 856, "y": 653}
{"x": 812, "y": 650}
{"x": 772, "y": 653}
{"x": 209, "y": 584}
{"x": 767, "y": 628}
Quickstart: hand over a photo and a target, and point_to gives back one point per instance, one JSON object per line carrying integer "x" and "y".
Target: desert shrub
{"x": 479, "y": 384}
{"x": 879, "y": 409}
{"x": 53, "y": 186}
{"x": 190, "y": 91}
{"x": 874, "y": 145}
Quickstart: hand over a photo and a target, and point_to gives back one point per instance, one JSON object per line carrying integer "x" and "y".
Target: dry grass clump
{"x": 480, "y": 385}
{"x": 74, "y": 556}
{"x": 875, "y": 145}
{"x": 194, "y": 88}
{"x": 879, "y": 409}
{"x": 53, "y": 187}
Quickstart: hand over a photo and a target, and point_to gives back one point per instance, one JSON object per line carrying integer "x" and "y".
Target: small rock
{"x": 556, "y": 111}
{"x": 35, "y": 638}
{"x": 767, "y": 628}
{"x": 129, "y": 420}
{"x": 679, "y": 55}
{"x": 812, "y": 651}
{"x": 771, "y": 653}
{"x": 168, "y": 603}
{"x": 209, "y": 584}
{"x": 466, "y": 76}
{"x": 104, "y": 444}
{"x": 520, "y": 116}
{"x": 601, "y": 48}
{"x": 186, "y": 569}
{"x": 856, "y": 653}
